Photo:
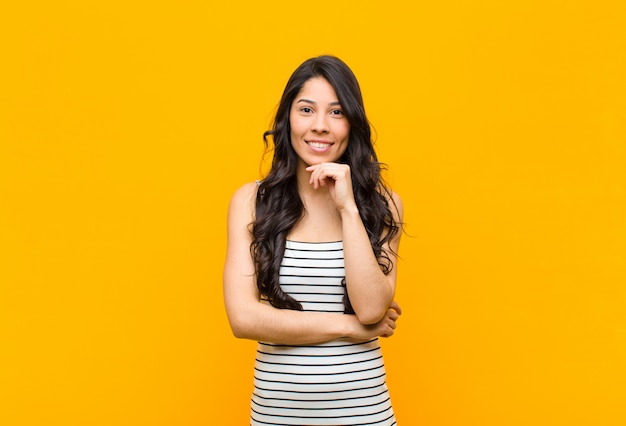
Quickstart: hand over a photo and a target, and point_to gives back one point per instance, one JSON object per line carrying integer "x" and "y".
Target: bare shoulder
{"x": 395, "y": 204}
{"x": 246, "y": 192}
{"x": 398, "y": 207}
{"x": 395, "y": 198}
{"x": 242, "y": 201}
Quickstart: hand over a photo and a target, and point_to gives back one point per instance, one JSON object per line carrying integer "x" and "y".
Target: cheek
{"x": 296, "y": 125}
{"x": 346, "y": 131}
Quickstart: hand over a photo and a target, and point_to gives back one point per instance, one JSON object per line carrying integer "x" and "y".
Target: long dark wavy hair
{"x": 278, "y": 203}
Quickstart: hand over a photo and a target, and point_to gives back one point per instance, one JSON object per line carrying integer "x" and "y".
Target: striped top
{"x": 340, "y": 382}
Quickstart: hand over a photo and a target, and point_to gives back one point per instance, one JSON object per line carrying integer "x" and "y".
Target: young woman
{"x": 310, "y": 267}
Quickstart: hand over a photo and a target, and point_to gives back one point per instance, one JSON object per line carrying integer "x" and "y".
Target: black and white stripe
{"x": 334, "y": 383}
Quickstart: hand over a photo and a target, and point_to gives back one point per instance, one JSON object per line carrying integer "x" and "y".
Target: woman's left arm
{"x": 371, "y": 292}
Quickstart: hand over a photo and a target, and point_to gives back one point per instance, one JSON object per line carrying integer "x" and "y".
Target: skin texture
{"x": 319, "y": 136}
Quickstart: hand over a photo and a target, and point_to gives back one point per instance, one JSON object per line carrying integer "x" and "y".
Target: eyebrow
{"x": 315, "y": 103}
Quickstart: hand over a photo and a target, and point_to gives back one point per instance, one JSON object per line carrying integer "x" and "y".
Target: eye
{"x": 336, "y": 112}
{"x": 306, "y": 110}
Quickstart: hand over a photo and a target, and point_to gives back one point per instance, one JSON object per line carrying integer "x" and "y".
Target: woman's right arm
{"x": 251, "y": 318}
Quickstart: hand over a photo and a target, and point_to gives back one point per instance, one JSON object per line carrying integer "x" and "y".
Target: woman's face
{"x": 319, "y": 129}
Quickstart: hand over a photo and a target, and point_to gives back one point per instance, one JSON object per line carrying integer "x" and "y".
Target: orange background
{"x": 126, "y": 126}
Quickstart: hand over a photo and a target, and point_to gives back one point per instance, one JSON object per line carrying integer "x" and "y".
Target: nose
{"x": 320, "y": 123}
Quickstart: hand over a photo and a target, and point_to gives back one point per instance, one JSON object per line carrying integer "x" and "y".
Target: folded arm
{"x": 252, "y": 318}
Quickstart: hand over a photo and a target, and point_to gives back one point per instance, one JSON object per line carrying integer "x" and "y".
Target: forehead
{"x": 318, "y": 90}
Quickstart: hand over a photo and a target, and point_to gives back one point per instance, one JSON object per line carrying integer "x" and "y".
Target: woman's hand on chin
{"x": 337, "y": 178}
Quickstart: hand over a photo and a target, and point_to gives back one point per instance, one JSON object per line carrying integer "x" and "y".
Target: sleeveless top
{"x": 334, "y": 383}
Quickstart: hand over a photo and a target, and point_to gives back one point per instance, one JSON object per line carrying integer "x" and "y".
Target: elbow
{"x": 371, "y": 308}
{"x": 237, "y": 331}
{"x": 239, "y": 327}
{"x": 369, "y": 316}
{"x": 371, "y": 313}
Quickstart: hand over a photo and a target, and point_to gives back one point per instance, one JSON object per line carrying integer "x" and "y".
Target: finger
{"x": 316, "y": 179}
{"x": 394, "y": 305}
{"x": 316, "y": 174}
{"x": 319, "y": 177}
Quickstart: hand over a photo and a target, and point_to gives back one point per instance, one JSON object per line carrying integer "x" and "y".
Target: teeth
{"x": 319, "y": 144}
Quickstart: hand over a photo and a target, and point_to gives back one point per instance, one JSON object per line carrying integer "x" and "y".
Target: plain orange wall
{"x": 126, "y": 126}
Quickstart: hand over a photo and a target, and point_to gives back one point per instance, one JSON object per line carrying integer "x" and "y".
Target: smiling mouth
{"x": 318, "y": 144}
